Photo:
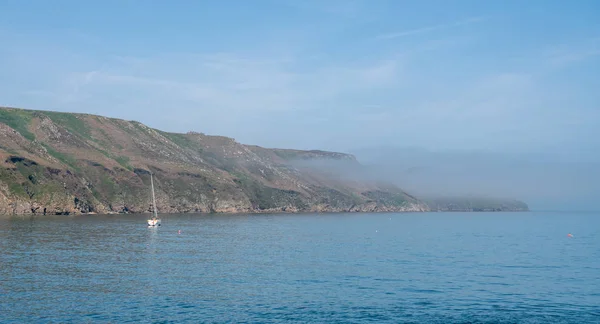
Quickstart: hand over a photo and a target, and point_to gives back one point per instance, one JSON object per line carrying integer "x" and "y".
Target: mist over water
{"x": 544, "y": 181}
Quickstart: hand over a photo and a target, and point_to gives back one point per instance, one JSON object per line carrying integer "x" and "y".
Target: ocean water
{"x": 309, "y": 268}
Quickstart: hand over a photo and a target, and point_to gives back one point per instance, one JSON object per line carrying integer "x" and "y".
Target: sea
{"x": 529, "y": 267}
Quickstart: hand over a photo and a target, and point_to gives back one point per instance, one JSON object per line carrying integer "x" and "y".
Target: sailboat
{"x": 154, "y": 221}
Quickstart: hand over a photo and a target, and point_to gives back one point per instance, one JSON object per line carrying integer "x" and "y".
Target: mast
{"x": 153, "y": 198}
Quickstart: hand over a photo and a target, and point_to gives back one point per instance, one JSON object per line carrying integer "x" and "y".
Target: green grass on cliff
{"x": 264, "y": 197}
{"x": 124, "y": 162}
{"x": 71, "y": 122}
{"x": 108, "y": 187}
{"x": 64, "y": 158}
{"x": 180, "y": 139}
{"x": 14, "y": 184}
{"x": 286, "y": 154}
{"x": 29, "y": 181}
{"x": 18, "y": 120}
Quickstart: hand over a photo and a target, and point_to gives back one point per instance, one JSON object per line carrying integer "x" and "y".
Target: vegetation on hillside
{"x": 52, "y": 162}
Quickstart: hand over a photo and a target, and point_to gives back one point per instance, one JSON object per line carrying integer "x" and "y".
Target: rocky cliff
{"x": 63, "y": 163}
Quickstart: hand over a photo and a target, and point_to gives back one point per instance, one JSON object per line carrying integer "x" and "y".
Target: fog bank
{"x": 544, "y": 181}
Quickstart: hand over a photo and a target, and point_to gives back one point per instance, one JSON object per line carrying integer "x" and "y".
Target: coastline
{"x": 273, "y": 212}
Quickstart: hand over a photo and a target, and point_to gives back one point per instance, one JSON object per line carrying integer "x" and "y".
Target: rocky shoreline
{"x": 24, "y": 209}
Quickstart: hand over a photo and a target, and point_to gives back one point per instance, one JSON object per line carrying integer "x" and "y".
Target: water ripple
{"x": 417, "y": 268}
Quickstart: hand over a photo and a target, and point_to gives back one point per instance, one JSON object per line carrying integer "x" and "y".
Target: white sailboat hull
{"x": 154, "y": 222}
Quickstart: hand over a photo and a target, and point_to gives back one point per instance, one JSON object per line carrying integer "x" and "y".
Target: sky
{"x": 505, "y": 76}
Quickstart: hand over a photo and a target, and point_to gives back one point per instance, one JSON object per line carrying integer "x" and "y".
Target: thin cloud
{"x": 390, "y": 94}
{"x": 431, "y": 28}
{"x": 218, "y": 82}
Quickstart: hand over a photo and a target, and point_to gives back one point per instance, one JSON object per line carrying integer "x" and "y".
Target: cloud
{"x": 224, "y": 93}
{"x": 218, "y": 92}
{"x": 427, "y": 29}
{"x": 414, "y": 94}
{"x": 215, "y": 83}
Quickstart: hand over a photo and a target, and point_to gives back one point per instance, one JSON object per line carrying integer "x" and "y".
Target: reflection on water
{"x": 434, "y": 267}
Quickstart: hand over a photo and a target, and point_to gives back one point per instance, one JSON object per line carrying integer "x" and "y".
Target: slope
{"x": 65, "y": 163}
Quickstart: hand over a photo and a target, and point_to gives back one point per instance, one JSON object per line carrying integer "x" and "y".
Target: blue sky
{"x": 338, "y": 75}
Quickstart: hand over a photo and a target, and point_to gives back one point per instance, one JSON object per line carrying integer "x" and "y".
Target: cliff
{"x": 64, "y": 163}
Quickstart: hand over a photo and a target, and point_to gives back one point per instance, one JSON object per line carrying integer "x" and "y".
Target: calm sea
{"x": 320, "y": 268}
